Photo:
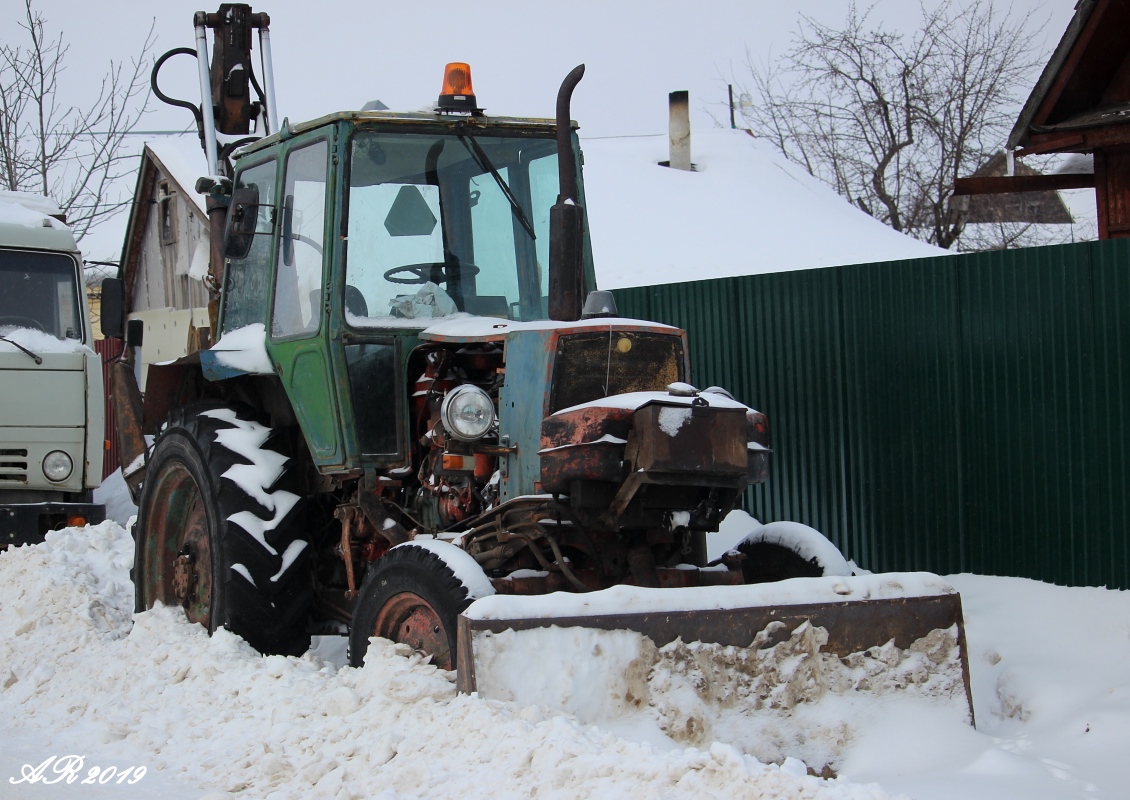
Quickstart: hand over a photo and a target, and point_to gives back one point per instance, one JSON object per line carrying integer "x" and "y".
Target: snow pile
{"x": 210, "y": 718}
{"x": 217, "y": 716}
{"x": 790, "y": 699}
{"x": 671, "y": 420}
{"x": 460, "y": 326}
{"x": 59, "y": 598}
{"x": 793, "y": 699}
{"x": 637, "y": 400}
{"x": 31, "y": 201}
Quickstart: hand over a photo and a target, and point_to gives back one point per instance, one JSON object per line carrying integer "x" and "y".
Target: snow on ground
{"x": 212, "y": 714}
{"x": 209, "y": 718}
{"x": 745, "y": 211}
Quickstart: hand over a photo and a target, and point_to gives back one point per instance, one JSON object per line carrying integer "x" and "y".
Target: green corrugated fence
{"x": 958, "y": 414}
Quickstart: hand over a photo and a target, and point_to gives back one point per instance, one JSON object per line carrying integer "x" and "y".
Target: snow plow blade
{"x": 885, "y": 633}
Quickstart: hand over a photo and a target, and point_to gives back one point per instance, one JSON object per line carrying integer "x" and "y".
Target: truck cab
{"x": 51, "y": 415}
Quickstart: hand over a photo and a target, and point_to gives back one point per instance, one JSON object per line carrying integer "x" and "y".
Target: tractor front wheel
{"x": 412, "y": 596}
{"x": 782, "y": 550}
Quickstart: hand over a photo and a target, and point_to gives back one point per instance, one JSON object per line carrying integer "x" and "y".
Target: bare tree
{"x": 70, "y": 153}
{"x": 890, "y": 120}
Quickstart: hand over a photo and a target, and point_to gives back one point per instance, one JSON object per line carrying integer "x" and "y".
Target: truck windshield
{"x": 441, "y": 224}
{"x": 39, "y": 291}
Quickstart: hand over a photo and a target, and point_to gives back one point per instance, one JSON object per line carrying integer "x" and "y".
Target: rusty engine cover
{"x": 692, "y": 439}
{"x": 665, "y": 441}
{"x": 585, "y": 444}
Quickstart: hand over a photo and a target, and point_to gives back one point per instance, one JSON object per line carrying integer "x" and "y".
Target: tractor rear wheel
{"x": 412, "y": 596}
{"x": 217, "y": 535}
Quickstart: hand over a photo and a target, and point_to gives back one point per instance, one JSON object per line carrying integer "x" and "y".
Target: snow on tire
{"x": 218, "y": 534}
{"x": 782, "y": 550}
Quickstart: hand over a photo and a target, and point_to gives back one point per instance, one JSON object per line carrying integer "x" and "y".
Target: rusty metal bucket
{"x": 853, "y": 627}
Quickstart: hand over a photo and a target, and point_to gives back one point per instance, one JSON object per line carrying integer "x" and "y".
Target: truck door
{"x": 298, "y": 330}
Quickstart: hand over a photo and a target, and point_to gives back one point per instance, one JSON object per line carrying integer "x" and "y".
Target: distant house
{"x": 165, "y": 255}
{"x": 1043, "y": 207}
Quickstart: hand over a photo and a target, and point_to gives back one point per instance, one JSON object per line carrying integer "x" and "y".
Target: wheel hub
{"x": 184, "y": 577}
{"x": 411, "y": 620}
{"x": 176, "y": 559}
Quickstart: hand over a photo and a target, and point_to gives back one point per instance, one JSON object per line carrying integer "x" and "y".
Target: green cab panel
{"x": 298, "y": 341}
{"x": 308, "y": 383}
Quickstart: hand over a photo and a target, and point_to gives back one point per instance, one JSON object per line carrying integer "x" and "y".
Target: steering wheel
{"x": 21, "y": 322}
{"x": 422, "y": 273}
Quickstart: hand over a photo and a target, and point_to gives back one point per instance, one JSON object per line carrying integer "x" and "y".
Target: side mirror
{"x": 239, "y": 228}
{"x": 113, "y": 313}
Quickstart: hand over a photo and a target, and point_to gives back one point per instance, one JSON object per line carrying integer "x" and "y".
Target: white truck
{"x": 52, "y": 427}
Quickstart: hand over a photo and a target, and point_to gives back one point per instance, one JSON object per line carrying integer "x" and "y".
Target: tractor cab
{"x": 350, "y": 235}
{"x": 405, "y": 218}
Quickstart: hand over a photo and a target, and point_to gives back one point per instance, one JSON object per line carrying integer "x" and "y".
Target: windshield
{"x": 441, "y": 224}
{"x": 39, "y": 291}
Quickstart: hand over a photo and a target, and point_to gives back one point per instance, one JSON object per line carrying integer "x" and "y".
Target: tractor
{"x": 415, "y": 395}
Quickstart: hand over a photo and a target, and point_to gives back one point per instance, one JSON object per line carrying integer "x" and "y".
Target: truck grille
{"x": 13, "y": 467}
{"x": 589, "y": 366}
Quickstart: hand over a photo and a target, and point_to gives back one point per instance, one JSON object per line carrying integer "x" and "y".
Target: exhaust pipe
{"x": 567, "y": 166}
{"x": 566, "y": 218}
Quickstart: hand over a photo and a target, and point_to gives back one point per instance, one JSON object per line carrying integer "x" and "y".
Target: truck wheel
{"x": 217, "y": 535}
{"x": 782, "y": 550}
{"x": 411, "y": 596}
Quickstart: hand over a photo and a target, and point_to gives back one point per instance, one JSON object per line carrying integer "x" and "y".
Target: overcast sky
{"x": 338, "y": 54}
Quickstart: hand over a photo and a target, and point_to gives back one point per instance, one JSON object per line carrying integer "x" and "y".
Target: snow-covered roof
{"x": 24, "y": 222}
{"x": 181, "y": 159}
{"x": 745, "y": 210}
{"x": 34, "y": 202}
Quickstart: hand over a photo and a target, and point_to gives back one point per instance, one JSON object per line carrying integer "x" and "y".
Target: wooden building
{"x": 1081, "y": 104}
{"x": 165, "y": 256}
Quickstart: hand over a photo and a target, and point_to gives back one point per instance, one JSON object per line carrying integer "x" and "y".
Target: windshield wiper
{"x": 38, "y": 360}
{"x": 485, "y": 164}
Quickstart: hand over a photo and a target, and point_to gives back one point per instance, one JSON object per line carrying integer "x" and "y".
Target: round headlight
{"x": 467, "y": 413}
{"x": 57, "y": 466}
